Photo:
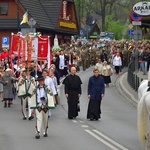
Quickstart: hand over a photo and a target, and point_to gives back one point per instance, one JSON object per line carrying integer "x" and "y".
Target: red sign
{"x": 135, "y": 17}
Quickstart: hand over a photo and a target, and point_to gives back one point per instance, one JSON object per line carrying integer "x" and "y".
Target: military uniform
{"x": 83, "y": 58}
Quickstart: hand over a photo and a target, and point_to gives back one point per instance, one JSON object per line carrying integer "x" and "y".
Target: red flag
{"x": 42, "y": 47}
{"x": 14, "y": 43}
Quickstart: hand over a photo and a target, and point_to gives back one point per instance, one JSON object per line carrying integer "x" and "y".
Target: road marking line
{"x": 102, "y": 140}
{"x": 81, "y": 121}
{"x": 110, "y": 140}
{"x": 84, "y": 126}
{"x": 75, "y": 121}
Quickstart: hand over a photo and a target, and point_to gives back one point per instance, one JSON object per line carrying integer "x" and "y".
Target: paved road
{"x": 115, "y": 131}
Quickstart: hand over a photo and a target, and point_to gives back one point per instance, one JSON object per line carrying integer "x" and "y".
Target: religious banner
{"x": 42, "y": 47}
{"x": 34, "y": 48}
{"x": 29, "y": 48}
{"x": 15, "y": 43}
{"x": 24, "y": 52}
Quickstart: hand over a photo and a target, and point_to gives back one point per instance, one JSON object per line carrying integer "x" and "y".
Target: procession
{"x": 74, "y": 74}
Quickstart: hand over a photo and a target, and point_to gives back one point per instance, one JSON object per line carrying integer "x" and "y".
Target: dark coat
{"x": 72, "y": 88}
{"x": 96, "y": 87}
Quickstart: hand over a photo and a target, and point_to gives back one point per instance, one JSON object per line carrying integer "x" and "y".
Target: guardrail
{"x": 133, "y": 79}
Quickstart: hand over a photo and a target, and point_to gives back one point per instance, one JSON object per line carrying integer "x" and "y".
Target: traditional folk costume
{"x": 49, "y": 82}
{"x": 42, "y": 101}
{"x": 26, "y": 85}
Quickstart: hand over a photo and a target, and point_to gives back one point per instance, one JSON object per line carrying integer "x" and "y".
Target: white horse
{"x": 142, "y": 88}
{"x": 143, "y": 111}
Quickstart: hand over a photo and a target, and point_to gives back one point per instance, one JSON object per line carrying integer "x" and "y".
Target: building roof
{"x": 8, "y": 23}
{"x": 38, "y": 13}
{"x": 46, "y": 13}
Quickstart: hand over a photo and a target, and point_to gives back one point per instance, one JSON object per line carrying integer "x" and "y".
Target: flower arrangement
{"x": 56, "y": 49}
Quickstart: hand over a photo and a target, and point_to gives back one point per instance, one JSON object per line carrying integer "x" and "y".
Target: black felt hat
{"x": 39, "y": 78}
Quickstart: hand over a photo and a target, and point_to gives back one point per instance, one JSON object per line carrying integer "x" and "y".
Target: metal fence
{"x": 133, "y": 79}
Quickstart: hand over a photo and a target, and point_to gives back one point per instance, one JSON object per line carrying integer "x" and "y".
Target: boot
{"x": 5, "y": 104}
{"x": 37, "y": 136}
{"x": 9, "y": 103}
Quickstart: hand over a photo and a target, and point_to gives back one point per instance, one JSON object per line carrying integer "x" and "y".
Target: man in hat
{"x": 26, "y": 83}
{"x": 7, "y": 81}
{"x": 41, "y": 101}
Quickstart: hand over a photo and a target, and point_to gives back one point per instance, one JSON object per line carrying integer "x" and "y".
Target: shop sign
{"x": 67, "y": 24}
{"x": 142, "y": 8}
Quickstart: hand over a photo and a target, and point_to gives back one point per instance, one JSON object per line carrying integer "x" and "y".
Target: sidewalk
{"x": 125, "y": 89}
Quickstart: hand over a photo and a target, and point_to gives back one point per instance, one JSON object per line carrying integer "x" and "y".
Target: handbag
{"x": 78, "y": 107}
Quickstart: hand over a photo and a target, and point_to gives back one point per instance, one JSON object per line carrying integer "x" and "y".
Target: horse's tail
{"x": 142, "y": 118}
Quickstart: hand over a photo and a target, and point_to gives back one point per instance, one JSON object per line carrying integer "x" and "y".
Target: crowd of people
{"x": 37, "y": 85}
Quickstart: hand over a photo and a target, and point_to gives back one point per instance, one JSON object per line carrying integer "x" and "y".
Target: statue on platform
{"x": 56, "y": 45}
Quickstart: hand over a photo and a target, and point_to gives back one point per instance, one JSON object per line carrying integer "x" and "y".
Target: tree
{"x": 115, "y": 26}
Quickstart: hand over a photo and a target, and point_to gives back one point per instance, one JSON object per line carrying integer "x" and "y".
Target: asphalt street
{"x": 115, "y": 131}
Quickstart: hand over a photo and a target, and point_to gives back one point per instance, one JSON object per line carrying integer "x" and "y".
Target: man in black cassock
{"x": 96, "y": 90}
{"x": 72, "y": 92}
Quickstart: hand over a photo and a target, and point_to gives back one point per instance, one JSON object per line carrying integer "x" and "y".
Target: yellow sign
{"x": 68, "y": 24}
{"x": 130, "y": 26}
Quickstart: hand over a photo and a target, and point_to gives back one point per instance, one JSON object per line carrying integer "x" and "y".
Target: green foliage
{"x": 115, "y": 26}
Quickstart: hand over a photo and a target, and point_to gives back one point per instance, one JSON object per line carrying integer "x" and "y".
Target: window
{"x": 3, "y": 8}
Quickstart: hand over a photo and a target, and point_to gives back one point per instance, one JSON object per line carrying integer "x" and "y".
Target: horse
{"x": 143, "y": 111}
{"x": 142, "y": 88}
{"x": 143, "y": 114}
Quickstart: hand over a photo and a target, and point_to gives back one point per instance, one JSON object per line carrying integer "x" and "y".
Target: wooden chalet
{"x": 49, "y": 17}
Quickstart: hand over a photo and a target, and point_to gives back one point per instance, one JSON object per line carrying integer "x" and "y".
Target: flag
{"x": 25, "y": 18}
{"x": 42, "y": 47}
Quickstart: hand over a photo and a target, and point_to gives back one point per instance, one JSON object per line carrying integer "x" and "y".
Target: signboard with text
{"x": 142, "y": 8}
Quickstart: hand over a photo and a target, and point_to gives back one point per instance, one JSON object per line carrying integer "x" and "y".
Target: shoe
{"x": 37, "y": 136}
{"x": 24, "y": 118}
{"x": 31, "y": 117}
{"x": 70, "y": 117}
{"x": 91, "y": 119}
{"x": 45, "y": 135}
{"x": 8, "y": 105}
{"x": 5, "y": 105}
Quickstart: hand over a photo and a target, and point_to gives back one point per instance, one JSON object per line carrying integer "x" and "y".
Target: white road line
{"x": 110, "y": 140}
{"x": 75, "y": 121}
{"x": 81, "y": 121}
{"x": 101, "y": 140}
{"x": 84, "y": 126}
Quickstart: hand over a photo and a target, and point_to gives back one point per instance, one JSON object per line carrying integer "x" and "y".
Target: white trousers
{"x": 24, "y": 103}
{"x": 41, "y": 121}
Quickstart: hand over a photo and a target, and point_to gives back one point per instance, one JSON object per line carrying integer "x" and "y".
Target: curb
{"x": 124, "y": 90}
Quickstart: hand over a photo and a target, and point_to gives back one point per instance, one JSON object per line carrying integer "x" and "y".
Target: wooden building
{"x": 49, "y": 17}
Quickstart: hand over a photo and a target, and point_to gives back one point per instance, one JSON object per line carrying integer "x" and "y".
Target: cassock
{"x": 96, "y": 87}
{"x": 72, "y": 88}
